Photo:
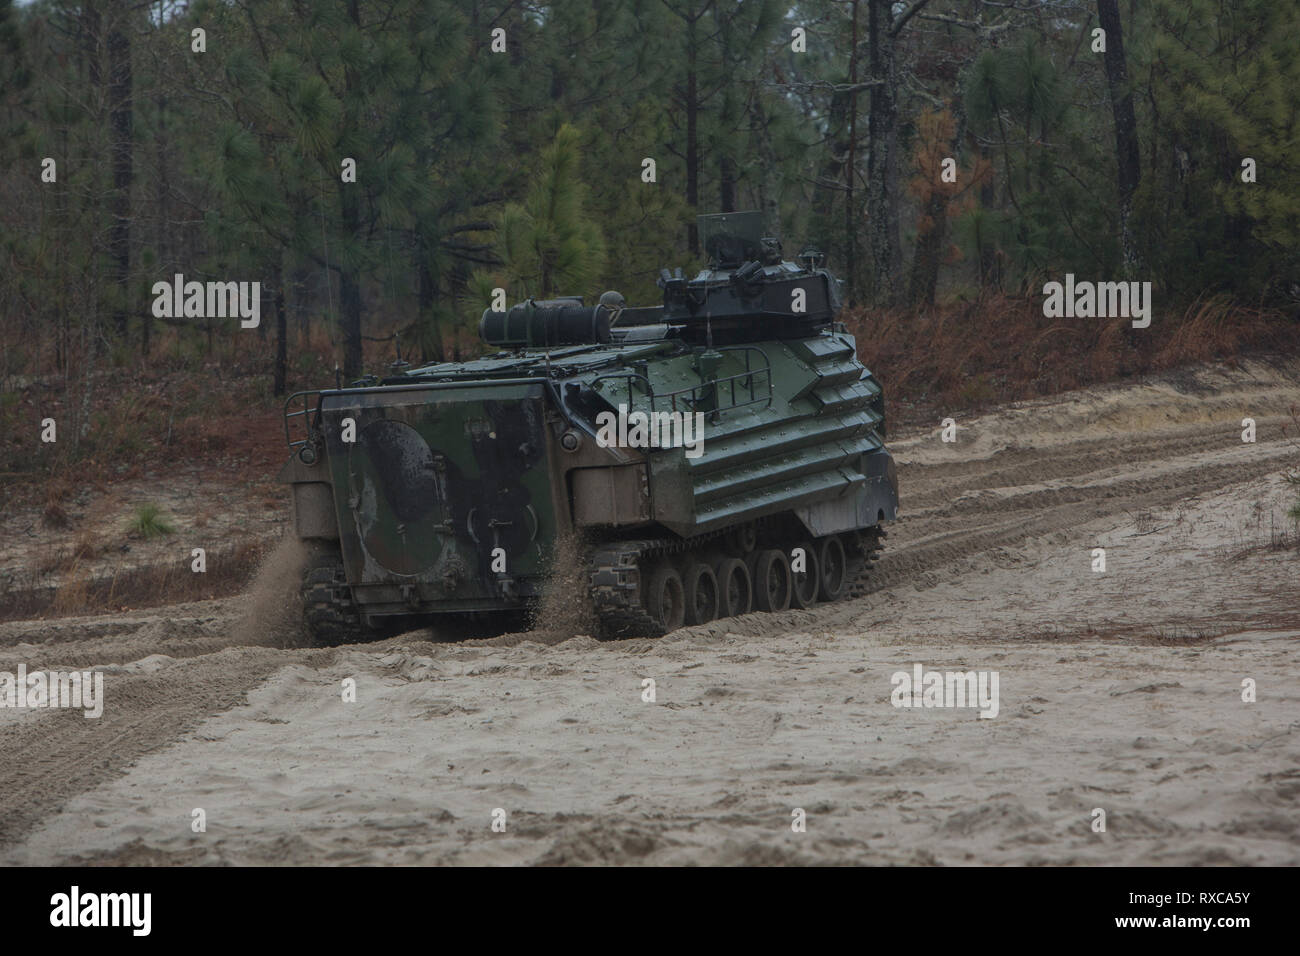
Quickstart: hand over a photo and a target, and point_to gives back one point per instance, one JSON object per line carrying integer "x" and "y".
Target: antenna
{"x": 398, "y": 363}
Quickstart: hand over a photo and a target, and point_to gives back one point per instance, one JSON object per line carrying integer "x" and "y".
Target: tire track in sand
{"x": 53, "y": 755}
{"x": 984, "y": 499}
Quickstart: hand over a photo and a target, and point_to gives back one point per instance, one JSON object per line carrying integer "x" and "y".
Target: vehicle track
{"x": 52, "y": 755}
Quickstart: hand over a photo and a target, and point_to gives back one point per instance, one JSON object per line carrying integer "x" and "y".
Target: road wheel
{"x": 804, "y": 584}
{"x": 736, "y": 594}
{"x": 771, "y": 581}
{"x": 666, "y": 598}
{"x": 744, "y": 538}
{"x": 833, "y": 568}
{"x": 701, "y": 586}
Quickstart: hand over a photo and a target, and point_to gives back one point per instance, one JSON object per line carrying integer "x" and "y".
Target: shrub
{"x": 148, "y": 522}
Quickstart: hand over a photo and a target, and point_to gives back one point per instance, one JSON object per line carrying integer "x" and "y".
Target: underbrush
{"x": 996, "y": 349}
{"x": 143, "y": 418}
{"x": 229, "y": 570}
{"x": 211, "y": 404}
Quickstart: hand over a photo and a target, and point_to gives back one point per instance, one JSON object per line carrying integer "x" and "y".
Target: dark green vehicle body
{"x": 445, "y": 488}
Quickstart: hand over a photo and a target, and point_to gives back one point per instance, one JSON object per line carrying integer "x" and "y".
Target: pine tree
{"x": 1223, "y": 78}
{"x": 548, "y": 243}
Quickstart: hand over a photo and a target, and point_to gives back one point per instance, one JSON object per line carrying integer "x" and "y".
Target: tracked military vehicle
{"x": 718, "y": 453}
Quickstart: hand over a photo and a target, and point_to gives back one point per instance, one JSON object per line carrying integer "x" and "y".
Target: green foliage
{"x": 1224, "y": 76}
{"x": 148, "y": 522}
{"x": 1047, "y": 218}
{"x": 548, "y": 242}
{"x": 478, "y": 169}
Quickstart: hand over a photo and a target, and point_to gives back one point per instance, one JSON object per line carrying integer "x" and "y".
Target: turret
{"x": 748, "y": 293}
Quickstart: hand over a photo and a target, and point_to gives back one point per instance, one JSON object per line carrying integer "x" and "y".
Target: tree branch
{"x": 906, "y": 15}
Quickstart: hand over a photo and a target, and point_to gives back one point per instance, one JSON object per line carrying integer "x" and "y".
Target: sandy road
{"x": 1118, "y": 690}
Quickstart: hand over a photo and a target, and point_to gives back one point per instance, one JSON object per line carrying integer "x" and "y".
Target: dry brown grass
{"x": 147, "y": 421}
{"x": 229, "y": 570}
{"x": 73, "y": 596}
{"x": 57, "y": 490}
{"x": 998, "y": 348}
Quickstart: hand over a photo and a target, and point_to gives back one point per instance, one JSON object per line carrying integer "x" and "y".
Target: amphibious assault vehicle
{"x": 719, "y": 453}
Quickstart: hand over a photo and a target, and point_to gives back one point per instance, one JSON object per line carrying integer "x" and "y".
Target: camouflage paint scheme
{"x": 457, "y": 465}
{"x": 436, "y": 480}
{"x": 443, "y": 472}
